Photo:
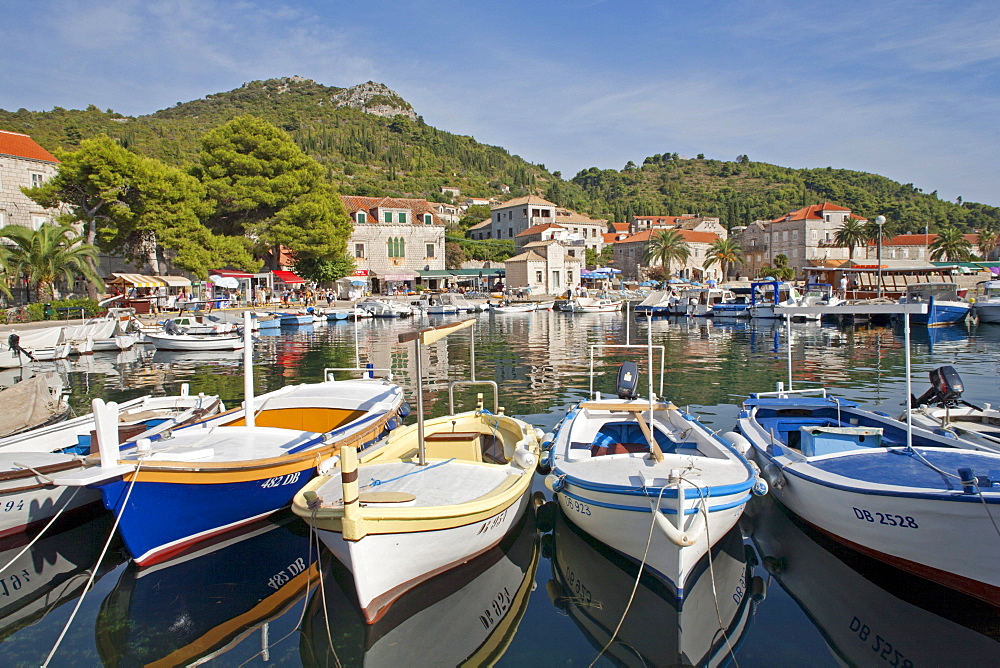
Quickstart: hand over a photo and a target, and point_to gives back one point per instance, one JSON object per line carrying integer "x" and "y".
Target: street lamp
{"x": 880, "y": 221}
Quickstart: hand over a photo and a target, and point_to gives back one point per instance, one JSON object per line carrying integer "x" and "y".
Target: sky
{"x": 902, "y": 88}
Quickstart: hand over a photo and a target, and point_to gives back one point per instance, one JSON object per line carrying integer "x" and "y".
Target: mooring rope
{"x": 40, "y": 533}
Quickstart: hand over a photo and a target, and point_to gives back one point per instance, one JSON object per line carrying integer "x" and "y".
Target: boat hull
{"x": 191, "y": 342}
{"x": 625, "y": 522}
{"x": 385, "y": 566}
{"x": 27, "y": 504}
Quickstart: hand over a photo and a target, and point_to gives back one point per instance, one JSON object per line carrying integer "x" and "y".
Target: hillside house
{"x": 24, "y": 164}
{"x": 630, "y": 256}
{"x": 546, "y": 267}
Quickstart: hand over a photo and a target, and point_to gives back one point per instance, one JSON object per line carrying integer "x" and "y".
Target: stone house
{"x": 24, "y": 164}
{"x": 511, "y": 218}
{"x": 630, "y": 254}
{"x": 910, "y": 247}
{"x": 805, "y": 236}
{"x": 394, "y": 239}
{"x": 546, "y": 267}
{"x": 687, "y": 221}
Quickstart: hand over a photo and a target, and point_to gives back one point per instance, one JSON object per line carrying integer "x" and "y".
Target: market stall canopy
{"x": 175, "y": 281}
{"x": 231, "y": 272}
{"x": 288, "y": 277}
{"x": 136, "y": 280}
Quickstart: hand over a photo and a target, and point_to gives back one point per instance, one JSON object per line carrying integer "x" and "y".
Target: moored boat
{"x": 647, "y": 479}
{"x": 435, "y": 495}
{"x": 987, "y": 305}
{"x": 944, "y": 306}
{"x": 165, "y": 341}
{"x": 593, "y": 305}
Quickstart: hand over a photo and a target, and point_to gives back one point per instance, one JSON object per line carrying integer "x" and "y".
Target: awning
{"x": 398, "y": 277}
{"x": 230, "y": 272}
{"x": 288, "y": 277}
{"x": 175, "y": 281}
{"x": 137, "y": 280}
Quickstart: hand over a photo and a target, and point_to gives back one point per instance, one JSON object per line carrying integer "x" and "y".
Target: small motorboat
{"x": 515, "y": 307}
{"x": 435, "y": 495}
{"x": 987, "y": 305}
{"x": 200, "y": 323}
{"x": 384, "y": 308}
{"x": 176, "y": 341}
{"x": 593, "y": 305}
{"x": 657, "y": 303}
{"x": 944, "y": 306}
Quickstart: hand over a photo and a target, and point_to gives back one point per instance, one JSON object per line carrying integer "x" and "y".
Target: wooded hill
{"x": 367, "y": 154}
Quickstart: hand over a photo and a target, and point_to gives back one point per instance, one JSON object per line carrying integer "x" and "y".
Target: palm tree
{"x": 47, "y": 254}
{"x": 851, "y": 234}
{"x": 725, "y": 252}
{"x": 666, "y": 246}
{"x": 988, "y": 241}
{"x": 951, "y": 245}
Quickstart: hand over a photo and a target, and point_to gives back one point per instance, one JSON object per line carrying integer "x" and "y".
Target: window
{"x": 36, "y": 179}
{"x": 359, "y": 250}
{"x": 402, "y": 217}
{"x": 396, "y": 247}
{"x": 387, "y": 216}
{"x": 555, "y": 279}
{"x": 428, "y": 220}
{"x": 538, "y": 277}
{"x": 784, "y": 235}
{"x": 510, "y": 232}
{"x": 38, "y": 221}
{"x": 362, "y": 218}
{"x": 795, "y": 235}
{"x": 430, "y": 250}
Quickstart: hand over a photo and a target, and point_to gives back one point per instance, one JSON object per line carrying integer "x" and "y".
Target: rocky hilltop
{"x": 374, "y": 98}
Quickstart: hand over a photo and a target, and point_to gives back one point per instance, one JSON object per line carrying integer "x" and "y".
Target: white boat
{"x": 351, "y": 313}
{"x": 435, "y": 495}
{"x": 593, "y": 305}
{"x": 904, "y": 495}
{"x": 437, "y": 307}
{"x": 699, "y": 301}
{"x": 735, "y": 306}
{"x": 383, "y": 308}
{"x": 546, "y": 305}
{"x": 987, "y": 304}
{"x": 463, "y": 304}
{"x": 658, "y": 303}
{"x": 516, "y": 307}
{"x": 164, "y": 341}
{"x": 41, "y": 345}
{"x": 941, "y": 409}
{"x": 201, "y": 324}
{"x": 813, "y": 294}
{"x": 646, "y": 478}
{"x": 143, "y": 417}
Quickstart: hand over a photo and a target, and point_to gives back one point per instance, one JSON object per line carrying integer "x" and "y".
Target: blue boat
{"x": 296, "y": 319}
{"x": 223, "y": 473}
{"x": 944, "y": 306}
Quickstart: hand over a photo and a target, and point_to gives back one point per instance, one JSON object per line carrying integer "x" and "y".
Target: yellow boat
{"x": 435, "y": 495}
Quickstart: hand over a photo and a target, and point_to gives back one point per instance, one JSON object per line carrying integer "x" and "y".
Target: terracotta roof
{"x": 620, "y": 227}
{"x": 538, "y": 229}
{"x": 812, "y": 212}
{"x": 355, "y": 203}
{"x": 23, "y": 146}
{"x": 529, "y": 199}
{"x": 568, "y": 216}
{"x": 611, "y": 237}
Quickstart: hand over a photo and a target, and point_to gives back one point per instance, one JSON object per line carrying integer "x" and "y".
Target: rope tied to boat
{"x": 376, "y": 482}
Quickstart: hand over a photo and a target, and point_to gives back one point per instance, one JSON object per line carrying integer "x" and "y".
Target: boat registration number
{"x": 887, "y": 519}
{"x": 578, "y": 506}
{"x": 14, "y": 504}
{"x": 879, "y": 645}
{"x": 281, "y": 480}
{"x": 497, "y": 609}
{"x": 282, "y": 577}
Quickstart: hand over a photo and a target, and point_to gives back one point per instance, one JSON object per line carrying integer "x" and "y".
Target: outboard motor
{"x": 172, "y": 328}
{"x": 628, "y": 380}
{"x": 14, "y": 343}
{"x": 945, "y": 390}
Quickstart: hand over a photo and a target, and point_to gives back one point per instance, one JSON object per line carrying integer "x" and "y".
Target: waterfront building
{"x": 630, "y": 255}
{"x": 805, "y": 236}
{"x": 687, "y": 221}
{"x": 394, "y": 239}
{"x": 24, "y": 164}
{"x": 511, "y": 218}
{"x": 545, "y": 267}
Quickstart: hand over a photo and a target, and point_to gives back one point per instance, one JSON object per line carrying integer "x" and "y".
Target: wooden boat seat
{"x": 465, "y": 445}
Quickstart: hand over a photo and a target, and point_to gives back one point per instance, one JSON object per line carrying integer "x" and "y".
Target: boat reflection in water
{"x": 592, "y": 583}
{"x": 869, "y": 612}
{"x": 467, "y": 615}
{"x": 205, "y": 602}
{"x": 53, "y": 572}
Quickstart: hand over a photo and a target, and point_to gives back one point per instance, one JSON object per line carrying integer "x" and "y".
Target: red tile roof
{"x": 620, "y": 227}
{"x": 811, "y": 212}
{"x": 355, "y": 203}
{"x": 23, "y": 146}
{"x": 538, "y": 229}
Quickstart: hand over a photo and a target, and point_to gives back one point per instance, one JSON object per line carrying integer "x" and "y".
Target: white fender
{"x": 525, "y": 459}
{"x": 327, "y": 466}
{"x": 739, "y": 442}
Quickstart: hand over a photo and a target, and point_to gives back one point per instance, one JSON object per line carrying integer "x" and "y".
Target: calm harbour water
{"x": 265, "y": 596}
